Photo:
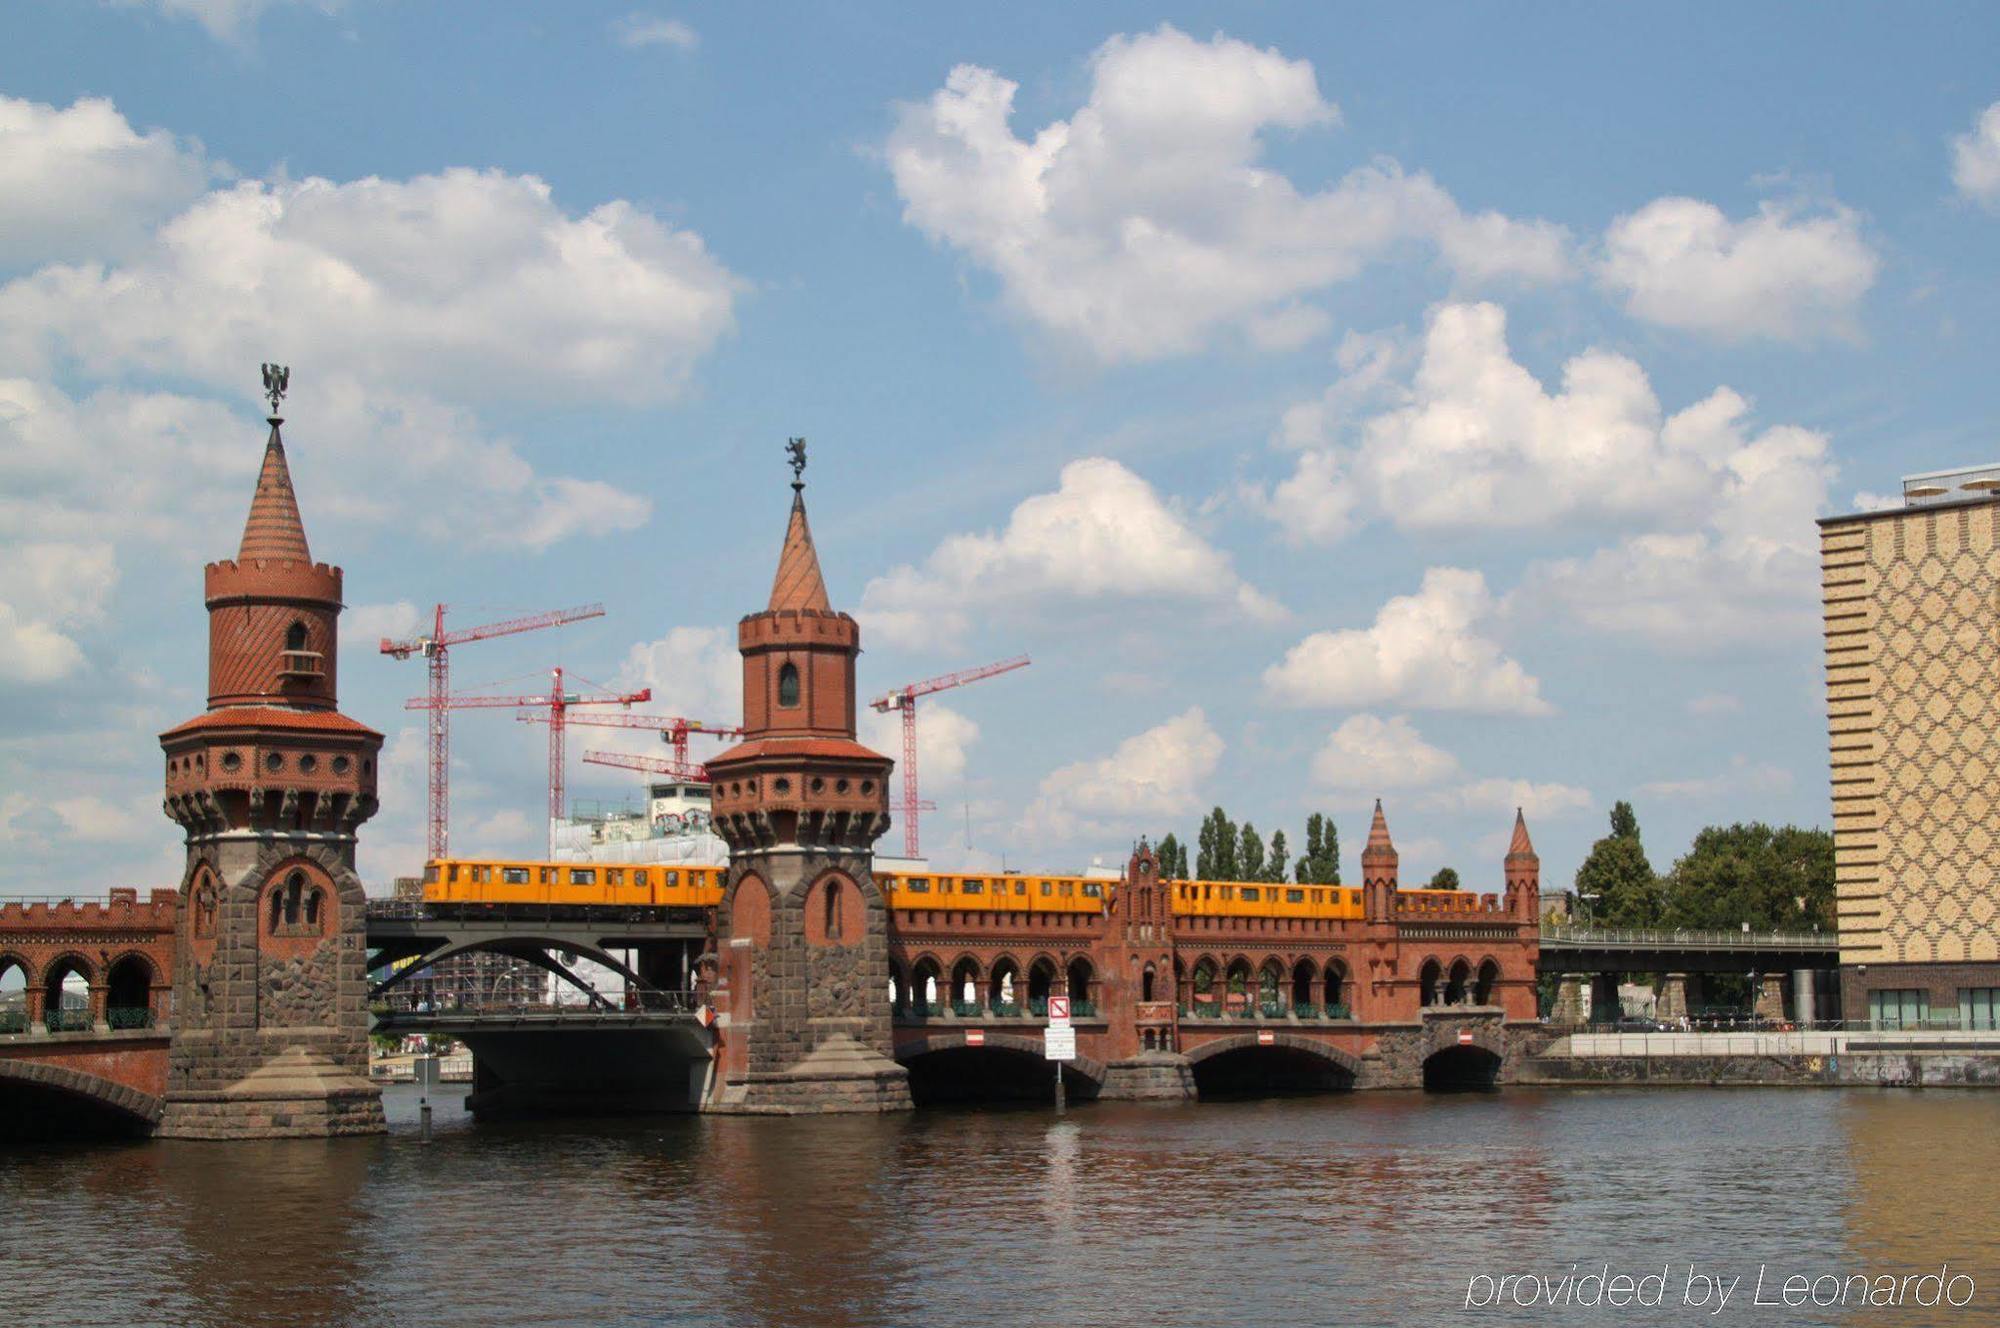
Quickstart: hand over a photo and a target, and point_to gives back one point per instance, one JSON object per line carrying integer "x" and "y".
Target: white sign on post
{"x": 1058, "y": 1011}
{"x": 1059, "y": 1044}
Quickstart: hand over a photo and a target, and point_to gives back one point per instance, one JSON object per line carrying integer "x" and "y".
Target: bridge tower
{"x": 1378, "y": 908}
{"x": 269, "y": 785}
{"x": 802, "y": 996}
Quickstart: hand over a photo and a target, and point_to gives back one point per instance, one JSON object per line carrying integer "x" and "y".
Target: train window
{"x": 1249, "y": 892}
{"x": 917, "y": 885}
{"x": 514, "y": 875}
{"x": 482, "y": 874}
{"x": 431, "y": 874}
{"x": 548, "y": 875}
{"x": 582, "y": 876}
{"x": 1295, "y": 896}
{"x": 1093, "y": 890}
{"x": 614, "y": 876}
{"x": 972, "y": 886}
{"x": 642, "y": 877}
{"x": 1047, "y": 889}
{"x": 673, "y": 878}
{"x": 1020, "y": 887}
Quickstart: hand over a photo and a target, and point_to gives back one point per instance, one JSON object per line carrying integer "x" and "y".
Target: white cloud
{"x": 637, "y": 30}
{"x": 1975, "y": 158}
{"x": 465, "y": 280}
{"x": 1868, "y": 501}
{"x": 694, "y": 672}
{"x": 165, "y": 468}
{"x": 1749, "y": 574}
{"x": 1315, "y": 506}
{"x": 80, "y": 182}
{"x": 1144, "y": 224}
{"x": 47, "y": 590}
{"x": 1104, "y": 534}
{"x": 1161, "y": 772}
{"x": 1424, "y": 651}
{"x": 944, "y": 743}
{"x": 1368, "y": 754}
{"x": 231, "y": 20}
{"x": 1682, "y": 263}
{"x": 1497, "y": 796}
{"x": 1743, "y": 778}
{"x": 1714, "y": 703}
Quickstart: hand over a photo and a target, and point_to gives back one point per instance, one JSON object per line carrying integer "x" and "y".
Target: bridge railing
{"x": 636, "y": 1002}
{"x": 1638, "y": 938}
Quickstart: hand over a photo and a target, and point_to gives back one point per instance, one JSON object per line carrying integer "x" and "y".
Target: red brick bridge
{"x": 85, "y": 999}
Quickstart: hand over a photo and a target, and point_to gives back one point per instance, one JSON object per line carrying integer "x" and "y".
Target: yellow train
{"x": 478, "y": 883}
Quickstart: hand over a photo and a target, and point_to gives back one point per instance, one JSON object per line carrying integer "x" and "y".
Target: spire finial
{"x": 277, "y": 378}
{"x": 795, "y": 449}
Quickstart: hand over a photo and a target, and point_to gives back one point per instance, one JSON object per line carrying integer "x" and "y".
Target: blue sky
{"x": 1333, "y": 402}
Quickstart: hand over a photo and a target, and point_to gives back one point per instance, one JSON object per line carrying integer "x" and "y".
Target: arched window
{"x": 277, "y": 911}
{"x": 295, "y": 889}
{"x": 295, "y": 636}
{"x": 832, "y": 905}
{"x": 312, "y": 909}
{"x": 788, "y": 685}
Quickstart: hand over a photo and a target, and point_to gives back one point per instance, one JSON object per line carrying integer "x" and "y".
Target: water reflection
{"x": 1370, "y": 1208}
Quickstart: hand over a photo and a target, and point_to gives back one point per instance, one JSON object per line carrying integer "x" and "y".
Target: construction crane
{"x": 557, "y": 702}
{"x": 436, "y": 648}
{"x": 905, "y": 700}
{"x": 652, "y": 765}
{"x": 671, "y": 728}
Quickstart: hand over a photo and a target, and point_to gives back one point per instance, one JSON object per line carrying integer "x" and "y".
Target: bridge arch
{"x": 1243, "y": 1065}
{"x": 944, "y": 1068}
{"x": 63, "y": 979}
{"x": 1462, "y": 1068}
{"x": 16, "y": 977}
{"x": 1430, "y": 981}
{"x": 1485, "y": 980}
{"x": 91, "y": 1103}
{"x": 537, "y": 950}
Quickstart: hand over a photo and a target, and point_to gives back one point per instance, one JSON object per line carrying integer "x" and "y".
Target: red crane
{"x": 437, "y": 649}
{"x": 654, "y": 765}
{"x": 558, "y": 702}
{"x": 905, "y": 700}
{"x": 671, "y": 728}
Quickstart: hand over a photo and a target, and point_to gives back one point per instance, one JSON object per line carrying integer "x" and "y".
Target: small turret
{"x": 1523, "y": 871}
{"x": 1379, "y": 870}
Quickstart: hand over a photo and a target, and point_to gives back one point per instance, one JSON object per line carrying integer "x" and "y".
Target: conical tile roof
{"x": 798, "y": 584}
{"x": 274, "y": 530}
{"x": 1378, "y": 837}
{"x": 1522, "y": 846}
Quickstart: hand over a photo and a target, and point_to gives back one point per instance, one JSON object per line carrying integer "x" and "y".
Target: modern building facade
{"x": 1912, "y": 611}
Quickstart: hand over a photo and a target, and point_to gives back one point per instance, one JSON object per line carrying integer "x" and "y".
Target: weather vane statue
{"x": 277, "y": 378}
{"x": 795, "y": 448}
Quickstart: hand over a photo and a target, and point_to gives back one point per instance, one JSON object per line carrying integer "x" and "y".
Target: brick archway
{"x": 1290, "y": 1041}
{"x": 1085, "y": 1066}
{"x": 140, "y": 1108}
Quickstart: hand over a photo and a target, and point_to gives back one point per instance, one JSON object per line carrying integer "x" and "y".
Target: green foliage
{"x": 1250, "y": 854}
{"x": 1215, "y": 848}
{"x": 1446, "y": 879}
{"x": 1274, "y": 869}
{"x": 1173, "y": 859}
{"x": 1615, "y": 885}
{"x": 1320, "y": 863}
{"x": 1756, "y": 874}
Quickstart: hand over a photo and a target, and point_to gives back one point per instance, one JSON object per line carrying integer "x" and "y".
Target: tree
{"x": 1616, "y": 884}
{"x": 1320, "y": 863}
{"x": 1446, "y": 879}
{"x": 1772, "y": 879}
{"x": 1274, "y": 870}
{"x": 1250, "y": 854}
{"x": 1173, "y": 859}
{"x": 1215, "y": 848}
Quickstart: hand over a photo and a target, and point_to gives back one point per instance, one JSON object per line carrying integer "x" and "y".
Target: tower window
{"x": 295, "y": 636}
{"x": 833, "y": 910}
{"x": 788, "y": 685}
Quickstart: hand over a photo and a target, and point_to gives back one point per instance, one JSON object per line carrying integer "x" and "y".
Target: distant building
{"x": 1912, "y": 603}
{"x": 672, "y": 827}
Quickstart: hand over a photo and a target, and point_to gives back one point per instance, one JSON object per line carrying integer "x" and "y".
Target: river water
{"x": 1375, "y": 1208}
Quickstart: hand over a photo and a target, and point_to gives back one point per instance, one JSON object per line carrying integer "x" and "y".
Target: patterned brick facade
{"x": 1911, "y": 600}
